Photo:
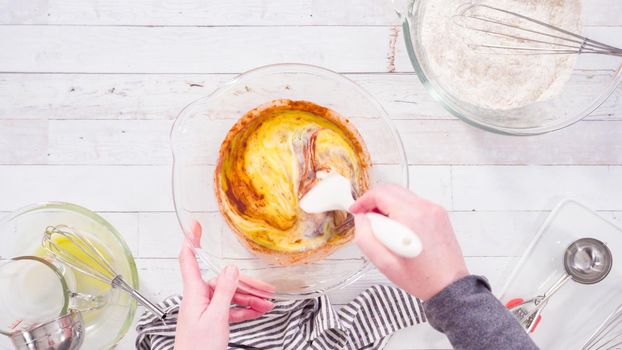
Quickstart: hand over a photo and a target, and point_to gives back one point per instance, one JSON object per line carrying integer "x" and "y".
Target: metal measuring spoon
{"x": 586, "y": 261}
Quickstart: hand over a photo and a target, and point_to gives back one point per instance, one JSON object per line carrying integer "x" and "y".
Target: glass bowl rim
{"x": 412, "y": 8}
{"x": 276, "y": 67}
{"x": 135, "y": 282}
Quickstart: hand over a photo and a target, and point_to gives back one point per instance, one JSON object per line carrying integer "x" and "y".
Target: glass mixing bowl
{"x": 593, "y": 79}
{"x": 21, "y": 233}
{"x": 201, "y": 127}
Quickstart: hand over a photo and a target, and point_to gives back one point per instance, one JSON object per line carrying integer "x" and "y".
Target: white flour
{"x": 496, "y": 81}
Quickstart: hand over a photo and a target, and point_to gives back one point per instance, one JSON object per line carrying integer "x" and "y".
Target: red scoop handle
{"x": 517, "y": 301}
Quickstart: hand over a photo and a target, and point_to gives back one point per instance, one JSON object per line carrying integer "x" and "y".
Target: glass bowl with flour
{"x": 514, "y": 93}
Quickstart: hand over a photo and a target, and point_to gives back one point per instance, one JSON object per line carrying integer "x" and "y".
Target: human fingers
{"x": 378, "y": 254}
{"x": 193, "y": 283}
{"x": 222, "y": 296}
{"x": 246, "y": 300}
{"x": 385, "y": 198}
{"x": 190, "y": 271}
{"x": 256, "y": 287}
{"x": 251, "y": 286}
{"x": 253, "y": 302}
{"x": 197, "y": 231}
{"x": 239, "y": 315}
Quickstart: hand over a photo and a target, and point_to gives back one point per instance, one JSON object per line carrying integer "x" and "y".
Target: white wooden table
{"x": 89, "y": 89}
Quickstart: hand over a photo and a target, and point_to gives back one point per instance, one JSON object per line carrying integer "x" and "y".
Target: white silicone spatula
{"x": 333, "y": 192}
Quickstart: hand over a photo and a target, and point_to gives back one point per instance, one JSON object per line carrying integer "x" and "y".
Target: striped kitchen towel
{"x": 367, "y": 322}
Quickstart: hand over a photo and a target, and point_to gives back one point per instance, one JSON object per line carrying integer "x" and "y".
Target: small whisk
{"x": 96, "y": 265}
{"x": 608, "y": 336}
{"x": 520, "y": 34}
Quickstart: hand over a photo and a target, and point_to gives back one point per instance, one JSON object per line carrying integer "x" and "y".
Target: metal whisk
{"x": 608, "y": 336}
{"x": 519, "y": 34}
{"x": 97, "y": 266}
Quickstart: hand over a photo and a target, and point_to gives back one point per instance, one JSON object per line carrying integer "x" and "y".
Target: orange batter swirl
{"x": 269, "y": 160}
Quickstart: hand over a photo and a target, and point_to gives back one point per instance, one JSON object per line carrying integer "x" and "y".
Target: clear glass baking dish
{"x": 201, "y": 127}
{"x": 573, "y": 313}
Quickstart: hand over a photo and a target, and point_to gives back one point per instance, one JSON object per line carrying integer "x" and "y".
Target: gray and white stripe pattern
{"x": 367, "y": 322}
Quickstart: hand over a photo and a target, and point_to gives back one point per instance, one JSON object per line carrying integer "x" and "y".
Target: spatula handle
{"x": 395, "y": 236}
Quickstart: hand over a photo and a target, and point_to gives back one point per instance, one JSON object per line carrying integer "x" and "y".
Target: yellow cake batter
{"x": 269, "y": 160}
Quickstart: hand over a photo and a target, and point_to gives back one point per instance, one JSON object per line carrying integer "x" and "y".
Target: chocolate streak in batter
{"x": 342, "y": 222}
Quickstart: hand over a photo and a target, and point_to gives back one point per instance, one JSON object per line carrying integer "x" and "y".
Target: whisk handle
{"x": 118, "y": 282}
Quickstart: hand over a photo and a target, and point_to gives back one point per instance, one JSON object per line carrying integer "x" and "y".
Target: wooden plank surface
{"x": 88, "y": 92}
{"x": 489, "y": 188}
{"x": 23, "y": 140}
{"x": 114, "y": 49}
{"x": 234, "y": 12}
{"x": 428, "y": 142}
{"x": 193, "y": 49}
{"x": 162, "y": 96}
{"x": 497, "y": 188}
{"x": 102, "y": 188}
{"x": 134, "y": 188}
{"x": 199, "y": 13}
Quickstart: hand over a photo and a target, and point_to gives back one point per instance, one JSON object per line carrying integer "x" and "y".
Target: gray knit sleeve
{"x": 472, "y": 318}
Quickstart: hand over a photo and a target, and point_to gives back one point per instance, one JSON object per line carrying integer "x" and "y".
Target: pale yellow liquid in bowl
{"x": 77, "y": 281}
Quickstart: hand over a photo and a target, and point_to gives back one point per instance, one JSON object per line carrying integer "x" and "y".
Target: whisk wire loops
{"x": 85, "y": 257}
{"x": 520, "y": 34}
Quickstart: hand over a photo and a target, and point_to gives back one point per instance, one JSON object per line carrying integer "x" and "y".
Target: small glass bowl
{"x": 21, "y": 233}
{"x": 593, "y": 79}
{"x": 201, "y": 127}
